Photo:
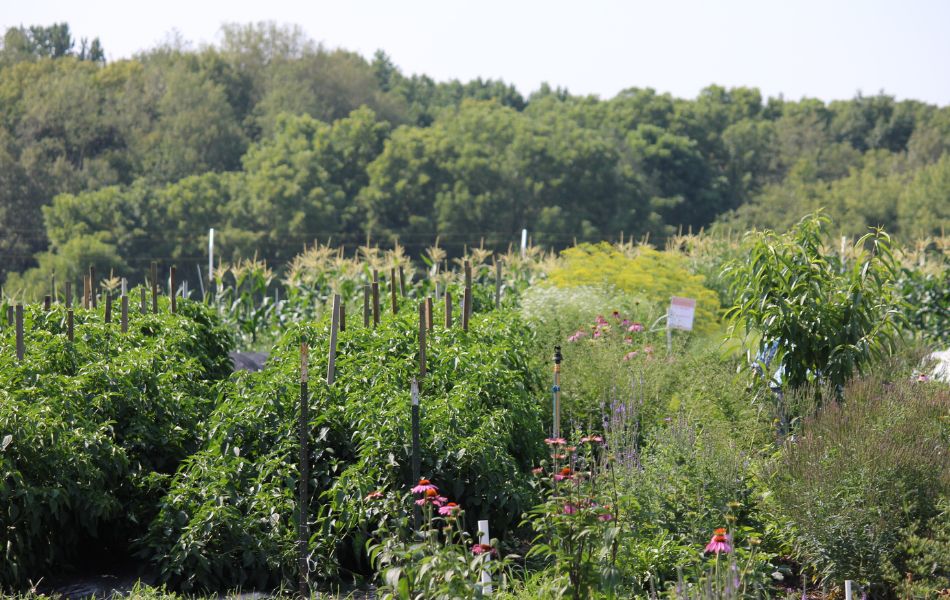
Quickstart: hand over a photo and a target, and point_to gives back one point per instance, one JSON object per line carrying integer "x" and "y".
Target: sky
{"x": 827, "y": 49}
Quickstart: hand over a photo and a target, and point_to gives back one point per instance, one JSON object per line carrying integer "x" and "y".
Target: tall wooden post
{"x": 92, "y": 287}
{"x": 402, "y": 282}
{"x": 416, "y": 448}
{"x": 392, "y": 289}
{"x": 375, "y": 298}
{"x": 334, "y": 325}
{"x": 125, "y": 313}
{"x": 422, "y": 340}
{"x": 497, "y": 284}
{"x": 69, "y": 324}
{"x": 172, "y": 288}
{"x": 108, "y": 316}
{"x": 303, "y": 498}
{"x": 448, "y": 310}
{"x": 429, "y": 313}
{"x": 20, "y": 349}
{"x": 366, "y": 294}
{"x": 154, "y": 287}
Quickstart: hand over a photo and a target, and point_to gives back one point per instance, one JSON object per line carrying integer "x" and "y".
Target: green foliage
{"x": 640, "y": 271}
{"x": 478, "y": 416}
{"x": 927, "y": 303}
{"x": 91, "y": 428}
{"x": 439, "y": 560}
{"x": 825, "y": 320}
{"x": 856, "y": 492}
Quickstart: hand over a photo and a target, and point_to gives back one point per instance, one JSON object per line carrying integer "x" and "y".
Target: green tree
{"x": 824, "y": 320}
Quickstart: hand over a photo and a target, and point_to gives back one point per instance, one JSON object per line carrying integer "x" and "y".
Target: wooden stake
{"x": 143, "y": 304}
{"x": 303, "y": 498}
{"x": 375, "y": 303}
{"x": 92, "y": 287}
{"x": 334, "y": 325}
{"x": 125, "y": 313}
{"x": 69, "y": 324}
{"x": 171, "y": 290}
{"x": 19, "y": 333}
{"x": 366, "y": 294}
{"x": 467, "y": 304}
{"x": 69, "y": 294}
{"x": 392, "y": 289}
{"x": 108, "y": 308}
{"x": 47, "y": 302}
{"x": 10, "y": 317}
{"x": 466, "y": 308}
{"x": 154, "y": 287}
{"x": 416, "y": 450}
{"x": 429, "y": 313}
{"x": 448, "y": 310}
{"x": 497, "y": 284}
{"x": 422, "y": 340}
{"x": 402, "y": 284}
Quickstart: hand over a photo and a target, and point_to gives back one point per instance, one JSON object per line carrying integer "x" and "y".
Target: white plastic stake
{"x": 124, "y": 286}
{"x": 524, "y": 242}
{"x": 210, "y": 253}
{"x": 485, "y": 538}
{"x": 847, "y": 589}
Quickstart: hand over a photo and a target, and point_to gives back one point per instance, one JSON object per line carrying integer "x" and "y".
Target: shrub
{"x": 230, "y": 513}
{"x": 859, "y": 473}
{"x": 90, "y": 428}
{"x": 641, "y": 272}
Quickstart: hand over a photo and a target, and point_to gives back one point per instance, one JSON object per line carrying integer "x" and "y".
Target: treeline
{"x": 277, "y": 141}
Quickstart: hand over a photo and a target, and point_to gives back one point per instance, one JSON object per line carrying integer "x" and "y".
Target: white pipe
{"x": 524, "y": 242}
{"x": 485, "y": 538}
{"x": 847, "y": 589}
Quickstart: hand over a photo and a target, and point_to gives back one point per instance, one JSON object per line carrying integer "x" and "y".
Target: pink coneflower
{"x": 376, "y": 495}
{"x": 431, "y": 496}
{"x": 564, "y": 473}
{"x": 630, "y": 355}
{"x": 424, "y": 486}
{"x": 719, "y": 542}
{"x": 648, "y": 349}
{"x": 484, "y": 549}
{"x": 537, "y": 470}
{"x": 449, "y": 509}
{"x": 597, "y": 334}
{"x": 626, "y": 323}
{"x": 635, "y": 327}
{"x": 577, "y": 336}
{"x": 592, "y": 439}
{"x": 558, "y": 441}
{"x": 605, "y": 517}
{"x": 570, "y": 509}
{"x": 627, "y": 340}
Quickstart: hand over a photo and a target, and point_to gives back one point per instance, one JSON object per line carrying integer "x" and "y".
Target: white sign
{"x": 682, "y": 311}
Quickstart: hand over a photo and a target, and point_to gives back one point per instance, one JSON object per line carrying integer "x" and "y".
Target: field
{"x": 412, "y": 431}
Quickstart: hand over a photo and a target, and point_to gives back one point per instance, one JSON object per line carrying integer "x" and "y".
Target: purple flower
{"x": 720, "y": 542}
{"x": 424, "y": 486}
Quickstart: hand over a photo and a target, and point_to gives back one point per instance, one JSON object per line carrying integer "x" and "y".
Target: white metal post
{"x": 485, "y": 538}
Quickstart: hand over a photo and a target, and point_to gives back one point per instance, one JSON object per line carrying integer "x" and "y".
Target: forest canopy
{"x": 276, "y": 141}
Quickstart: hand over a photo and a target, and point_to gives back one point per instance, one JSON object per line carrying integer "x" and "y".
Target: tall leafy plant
{"x": 818, "y": 318}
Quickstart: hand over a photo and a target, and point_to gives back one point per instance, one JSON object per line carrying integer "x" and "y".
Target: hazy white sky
{"x": 828, "y": 49}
